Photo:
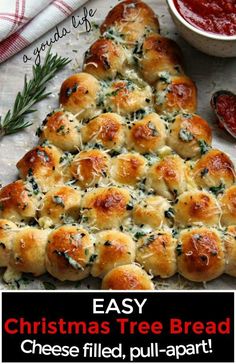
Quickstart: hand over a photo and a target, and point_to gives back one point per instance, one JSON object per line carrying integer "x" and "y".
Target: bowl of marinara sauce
{"x": 208, "y": 25}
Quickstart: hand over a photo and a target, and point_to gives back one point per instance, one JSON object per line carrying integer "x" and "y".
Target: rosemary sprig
{"x": 34, "y": 91}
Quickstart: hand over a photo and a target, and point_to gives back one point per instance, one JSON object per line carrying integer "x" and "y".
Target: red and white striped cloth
{"x": 24, "y": 21}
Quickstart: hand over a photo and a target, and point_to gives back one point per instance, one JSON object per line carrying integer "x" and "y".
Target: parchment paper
{"x": 209, "y": 73}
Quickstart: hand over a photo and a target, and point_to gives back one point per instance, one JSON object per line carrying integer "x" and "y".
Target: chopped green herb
{"x": 217, "y": 189}
{"x": 33, "y": 183}
{"x": 113, "y": 153}
{"x": 84, "y": 219}
{"x": 170, "y": 214}
{"x": 139, "y": 234}
{"x": 179, "y": 249}
{"x": 165, "y": 77}
{"x": 204, "y": 172}
{"x": 39, "y": 131}
{"x": 92, "y": 258}
{"x": 139, "y": 114}
{"x": 66, "y": 158}
{"x": 152, "y": 158}
{"x": 71, "y": 90}
{"x": 185, "y": 135}
{"x": 129, "y": 206}
{"x": 152, "y": 127}
{"x": 58, "y": 200}
{"x": 204, "y": 147}
{"x": 49, "y": 285}
{"x": 138, "y": 49}
{"x": 150, "y": 239}
{"x": 70, "y": 260}
{"x": 108, "y": 243}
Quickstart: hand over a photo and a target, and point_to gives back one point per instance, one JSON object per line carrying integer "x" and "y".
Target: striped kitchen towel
{"x": 24, "y": 21}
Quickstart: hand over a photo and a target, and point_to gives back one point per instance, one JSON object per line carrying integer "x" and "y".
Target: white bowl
{"x": 212, "y": 44}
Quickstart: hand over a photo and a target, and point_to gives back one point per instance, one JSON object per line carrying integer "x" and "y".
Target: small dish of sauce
{"x": 213, "y": 16}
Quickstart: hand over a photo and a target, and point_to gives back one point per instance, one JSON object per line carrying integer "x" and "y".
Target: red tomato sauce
{"x": 226, "y": 109}
{"x": 214, "y": 16}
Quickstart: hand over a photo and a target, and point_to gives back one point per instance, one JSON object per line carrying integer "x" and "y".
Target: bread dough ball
{"x": 197, "y": 207}
{"x": 129, "y": 21}
{"x": 106, "y": 129}
{"x": 41, "y": 167}
{"x": 154, "y": 211}
{"x": 126, "y": 97}
{"x": 230, "y": 250}
{"x": 228, "y": 205}
{"x": 175, "y": 95}
{"x": 78, "y": 95}
{"x": 18, "y": 201}
{"x": 28, "y": 251}
{"x": 90, "y": 167}
{"x": 186, "y": 132}
{"x": 200, "y": 254}
{"x": 214, "y": 171}
{"x": 105, "y": 59}
{"x": 58, "y": 205}
{"x": 156, "y": 252}
{"x": 160, "y": 58}
{"x": 8, "y": 231}
{"x": 127, "y": 277}
{"x": 147, "y": 135}
{"x": 128, "y": 168}
{"x": 167, "y": 177}
{"x": 112, "y": 249}
{"x": 63, "y": 130}
{"x": 69, "y": 253}
{"x": 106, "y": 207}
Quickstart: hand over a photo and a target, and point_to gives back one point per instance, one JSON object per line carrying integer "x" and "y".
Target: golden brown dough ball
{"x": 125, "y": 97}
{"x": 8, "y": 231}
{"x": 127, "y": 277}
{"x": 106, "y": 129}
{"x": 197, "y": 207}
{"x": 176, "y": 94}
{"x": 61, "y": 129}
{"x": 167, "y": 177}
{"x": 129, "y": 21}
{"x": 69, "y": 253}
{"x": 128, "y": 168}
{"x": 28, "y": 251}
{"x": 40, "y": 166}
{"x": 156, "y": 252}
{"x": 18, "y": 201}
{"x": 106, "y": 208}
{"x": 230, "y": 250}
{"x": 90, "y": 167}
{"x": 200, "y": 254}
{"x": 147, "y": 135}
{"x": 58, "y": 205}
{"x": 105, "y": 59}
{"x": 215, "y": 171}
{"x": 228, "y": 205}
{"x": 78, "y": 95}
{"x": 154, "y": 211}
{"x": 112, "y": 249}
{"x": 185, "y": 134}
{"x": 160, "y": 58}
